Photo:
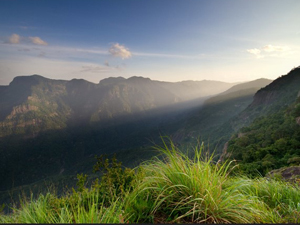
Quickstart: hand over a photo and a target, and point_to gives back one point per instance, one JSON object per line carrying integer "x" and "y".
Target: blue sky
{"x": 168, "y": 40}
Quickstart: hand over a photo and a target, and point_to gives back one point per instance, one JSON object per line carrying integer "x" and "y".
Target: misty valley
{"x": 51, "y": 130}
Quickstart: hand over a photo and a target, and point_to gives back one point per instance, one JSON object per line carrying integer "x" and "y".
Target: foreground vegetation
{"x": 170, "y": 188}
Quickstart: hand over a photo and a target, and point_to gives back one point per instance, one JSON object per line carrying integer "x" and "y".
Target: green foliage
{"x": 116, "y": 181}
{"x": 81, "y": 182}
{"x": 2, "y": 208}
{"x": 269, "y": 143}
{"x": 294, "y": 161}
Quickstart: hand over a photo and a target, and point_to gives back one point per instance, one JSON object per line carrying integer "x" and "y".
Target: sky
{"x": 167, "y": 40}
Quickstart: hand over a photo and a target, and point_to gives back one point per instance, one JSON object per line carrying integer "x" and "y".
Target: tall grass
{"x": 49, "y": 209}
{"x": 179, "y": 189}
{"x": 282, "y": 198}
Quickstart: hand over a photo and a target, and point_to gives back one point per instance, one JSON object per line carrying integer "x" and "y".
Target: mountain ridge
{"x": 79, "y": 101}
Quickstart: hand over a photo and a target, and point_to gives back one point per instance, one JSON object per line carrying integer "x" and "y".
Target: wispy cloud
{"x": 17, "y": 39}
{"x": 270, "y": 51}
{"x": 255, "y": 52}
{"x": 42, "y": 54}
{"x": 116, "y": 50}
{"x": 94, "y": 69}
{"x": 24, "y": 50}
{"x": 14, "y": 39}
{"x": 37, "y": 41}
{"x": 272, "y": 48}
{"x": 121, "y": 51}
{"x": 162, "y": 55}
{"x": 24, "y": 27}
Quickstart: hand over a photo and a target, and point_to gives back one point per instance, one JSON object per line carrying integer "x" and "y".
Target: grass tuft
{"x": 183, "y": 189}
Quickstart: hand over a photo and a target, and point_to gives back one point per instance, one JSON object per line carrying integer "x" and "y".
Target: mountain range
{"x": 32, "y": 104}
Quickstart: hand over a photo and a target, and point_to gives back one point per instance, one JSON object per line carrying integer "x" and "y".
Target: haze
{"x": 169, "y": 40}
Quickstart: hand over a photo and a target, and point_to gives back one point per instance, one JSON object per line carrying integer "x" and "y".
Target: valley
{"x": 52, "y": 130}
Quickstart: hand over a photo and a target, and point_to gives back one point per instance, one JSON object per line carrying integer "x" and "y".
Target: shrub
{"x": 116, "y": 181}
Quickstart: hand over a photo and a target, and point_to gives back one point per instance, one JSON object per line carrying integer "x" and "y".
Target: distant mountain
{"x": 239, "y": 90}
{"x": 31, "y": 104}
{"x": 259, "y": 83}
{"x": 187, "y": 90}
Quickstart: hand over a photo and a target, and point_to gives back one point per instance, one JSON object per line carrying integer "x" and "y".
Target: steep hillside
{"x": 274, "y": 97}
{"x": 32, "y": 104}
{"x": 270, "y": 139}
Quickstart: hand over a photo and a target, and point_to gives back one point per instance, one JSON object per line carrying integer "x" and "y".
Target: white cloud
{"x": 271, "y": 51}
{"x": 272, "y": 48}
{"x": 17, "y": 39}
{"x": 106, "y": 63}
{"x": 37, "y": 41}
{"x": 254, "y": 51}
{"x": 118, "y": 50}
{"x": 14, "y": 39}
